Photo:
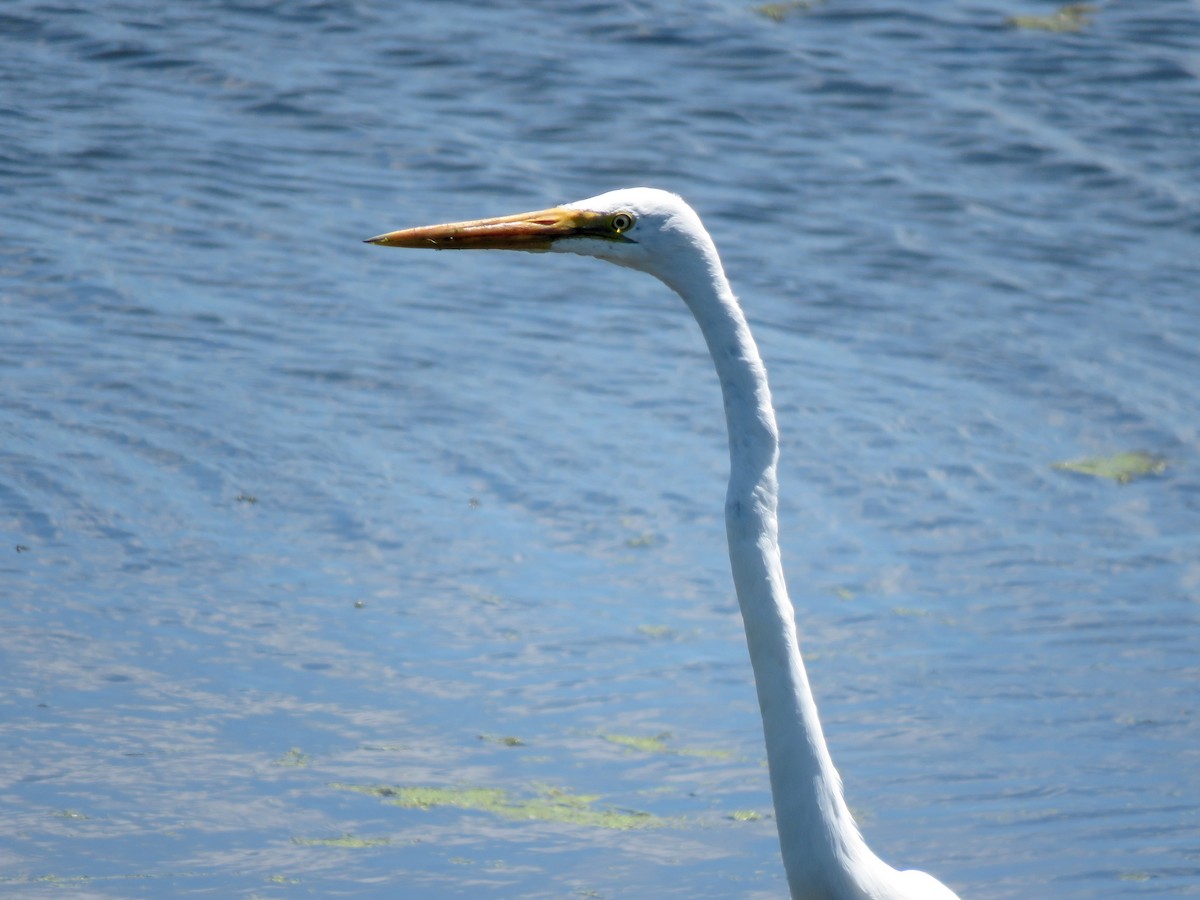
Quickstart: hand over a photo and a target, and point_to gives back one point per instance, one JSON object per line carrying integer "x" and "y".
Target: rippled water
{"x": 283, "y": 514}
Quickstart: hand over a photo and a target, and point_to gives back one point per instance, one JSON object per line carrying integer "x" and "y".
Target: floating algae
{"x": 346, "y": 840}
{"x": 658, "y": 744}
{"x": 549, "y": 805}
{"x": 294, "y": 757}
{"x": 1120, "y": 467}
{"x": 777, "y": 12}
{"x": 1072, "y": 17}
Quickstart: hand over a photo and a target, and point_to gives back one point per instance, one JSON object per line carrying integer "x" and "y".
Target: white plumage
{"x": 655, "y": 231}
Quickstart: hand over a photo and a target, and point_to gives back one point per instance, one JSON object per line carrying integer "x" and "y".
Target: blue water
{"x": 281, "y": 512}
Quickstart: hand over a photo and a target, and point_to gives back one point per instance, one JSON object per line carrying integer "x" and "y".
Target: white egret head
{"x": 641, "y": 228}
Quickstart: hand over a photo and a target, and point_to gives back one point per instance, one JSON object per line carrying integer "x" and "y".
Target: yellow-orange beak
{"x": 525, "y": 231}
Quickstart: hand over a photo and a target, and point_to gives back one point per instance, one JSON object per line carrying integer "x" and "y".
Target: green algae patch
{"x": 553, "y": 805}
{"x": 504, "y": 740}
{"x": 658, "y": 744}
{"x": 1120, "y": 467}
{"x": 745, "y": 815}
{"x": 548, "y": 805}
{"x": 346, "y": 840}
{"x": 484, "y": 799}
{"x": 643, "y": 540}
{"x": 295, "y": 758}
{"x": 777, "y": 12}
{"x": 1072, "y": 17}
{"x": 74, "y": 880}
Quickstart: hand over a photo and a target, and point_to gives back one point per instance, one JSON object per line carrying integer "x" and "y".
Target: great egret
{"x": 823, "y": 853}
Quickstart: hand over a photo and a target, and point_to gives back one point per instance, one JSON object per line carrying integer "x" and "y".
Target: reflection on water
{"x": 284, "y": 512}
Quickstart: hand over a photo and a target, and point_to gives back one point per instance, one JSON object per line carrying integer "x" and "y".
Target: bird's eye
{"x": 621, "y": 222}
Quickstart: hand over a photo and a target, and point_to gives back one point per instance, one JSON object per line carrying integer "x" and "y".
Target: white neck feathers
{"x": 821, "y": 844}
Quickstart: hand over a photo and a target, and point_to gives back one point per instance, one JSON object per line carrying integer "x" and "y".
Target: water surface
{"x": 282, "y": 513}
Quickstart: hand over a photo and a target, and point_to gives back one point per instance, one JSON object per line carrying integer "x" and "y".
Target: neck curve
{"x": 823, "y": 852}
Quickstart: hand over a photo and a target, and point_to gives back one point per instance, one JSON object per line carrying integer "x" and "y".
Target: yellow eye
{"x": 621, "y": 222}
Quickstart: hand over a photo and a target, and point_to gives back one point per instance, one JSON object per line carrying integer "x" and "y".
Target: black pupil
{"x": 620, "y": 223}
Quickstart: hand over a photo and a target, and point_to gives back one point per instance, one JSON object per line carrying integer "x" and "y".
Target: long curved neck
{"x": 819, "y": 840}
